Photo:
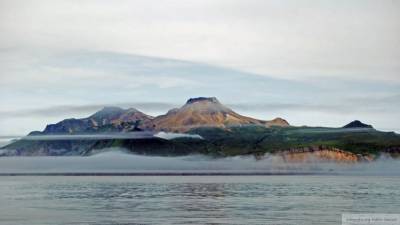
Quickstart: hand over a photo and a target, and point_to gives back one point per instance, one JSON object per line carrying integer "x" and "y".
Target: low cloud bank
{"x": 115, "y": 160}
{"x": 106, "y": 136}
{"x": 169, "y": 136}
{"x": 103, "y": 136}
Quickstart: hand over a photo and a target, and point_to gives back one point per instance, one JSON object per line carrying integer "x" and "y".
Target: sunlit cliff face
{"x": 323, "y": 155}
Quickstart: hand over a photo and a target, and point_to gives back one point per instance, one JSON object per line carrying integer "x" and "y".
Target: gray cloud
{"x": 71, "y": 110}
{"x": 281, "y": 38}
{"x": 276, "y": 107}
{"x": 360, "y": 104}
{"x": 372, "y": 104}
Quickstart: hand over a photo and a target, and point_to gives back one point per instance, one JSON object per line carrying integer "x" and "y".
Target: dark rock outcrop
{"x": 357, "y": 124}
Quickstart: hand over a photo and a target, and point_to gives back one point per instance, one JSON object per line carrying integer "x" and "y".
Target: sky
{"x": 317, "y": 63}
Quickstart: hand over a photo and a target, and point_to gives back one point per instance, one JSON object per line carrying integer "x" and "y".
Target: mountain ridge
{"x": 109, "y": 118}
{"x": 196, "y": 112}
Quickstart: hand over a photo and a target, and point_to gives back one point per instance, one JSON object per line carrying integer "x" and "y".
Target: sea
{"x": 123, "y": 200}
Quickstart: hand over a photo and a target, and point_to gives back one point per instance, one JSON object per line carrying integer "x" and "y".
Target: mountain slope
{"x": 206, "y": 112}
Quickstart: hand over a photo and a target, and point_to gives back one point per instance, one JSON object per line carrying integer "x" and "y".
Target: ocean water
{"x": 297, "y": 199}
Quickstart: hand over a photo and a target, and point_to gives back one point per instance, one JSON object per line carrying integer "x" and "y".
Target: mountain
{"x": 117, "y": 116}
{"x": 107, "y": 119}
{"x": 357, "y": 124}
{"x": 206, "y": 112}
{"x": 197, "y": 112}
{"x": 222, "y": 132}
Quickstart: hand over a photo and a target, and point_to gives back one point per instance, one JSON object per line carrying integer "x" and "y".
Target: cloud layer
{"x": 311, "y": 62}
{"x": 280, "y": 38}
{"x": 119, "y": 162}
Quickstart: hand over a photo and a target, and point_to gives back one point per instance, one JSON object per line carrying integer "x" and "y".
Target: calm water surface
{"x": 194, "y": 199}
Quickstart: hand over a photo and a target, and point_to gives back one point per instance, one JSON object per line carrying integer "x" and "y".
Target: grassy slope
{"x": 233, "y": 141}
{"x": 258, "y": 140}
{"x": 250, "y": 140}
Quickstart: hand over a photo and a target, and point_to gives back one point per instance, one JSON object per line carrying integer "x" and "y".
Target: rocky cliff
{"x": 322, "y": 154}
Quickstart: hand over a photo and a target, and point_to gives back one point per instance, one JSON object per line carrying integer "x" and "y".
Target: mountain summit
{"x": 206, "y": 112}
{"x": 357, "y": 124}
{"x": 202, "y": 99}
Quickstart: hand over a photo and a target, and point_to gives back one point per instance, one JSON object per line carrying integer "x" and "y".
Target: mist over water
{"x": 117, "y": 161}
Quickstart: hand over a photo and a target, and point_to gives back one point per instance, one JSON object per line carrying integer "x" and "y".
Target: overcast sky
{"x": 312, "y": 62}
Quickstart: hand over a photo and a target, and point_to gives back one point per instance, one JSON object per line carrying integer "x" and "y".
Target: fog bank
{"x": 116, "y": 161}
